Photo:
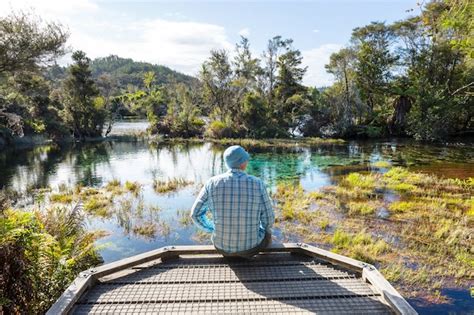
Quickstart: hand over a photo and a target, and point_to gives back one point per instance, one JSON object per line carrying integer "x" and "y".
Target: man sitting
{"x": 242, "y": 213}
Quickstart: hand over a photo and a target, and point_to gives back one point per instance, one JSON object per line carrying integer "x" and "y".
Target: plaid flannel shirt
{"x": 241, "y": 211}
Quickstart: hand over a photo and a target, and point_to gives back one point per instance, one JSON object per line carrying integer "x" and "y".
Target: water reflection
{"x": 95, "y": 164}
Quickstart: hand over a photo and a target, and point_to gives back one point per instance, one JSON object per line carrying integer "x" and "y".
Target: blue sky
{"x": 180, "y": 34}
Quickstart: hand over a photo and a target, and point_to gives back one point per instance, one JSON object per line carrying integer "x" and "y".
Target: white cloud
{"x": 316, "y": 59}
{"x": 180, "y": 44}
{"x": 315, "y": 31}
{"x": 245, "y": 32}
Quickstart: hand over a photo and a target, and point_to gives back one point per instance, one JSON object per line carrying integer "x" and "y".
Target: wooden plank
{"x": 336, "y": 259}
{"x": 119, "y": 265}
{"x": 387, "y": 291}
{"x": 66, "y": 301}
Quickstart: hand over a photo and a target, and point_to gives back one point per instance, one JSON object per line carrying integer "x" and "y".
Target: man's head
{"x": 236, "y": 157}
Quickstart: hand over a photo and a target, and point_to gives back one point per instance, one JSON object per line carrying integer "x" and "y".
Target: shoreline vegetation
{"x": 411, "y": 78}
{"x": 416, "y": 228}
{"x": 157, "y": 139}
{"x": 31, "y": 142}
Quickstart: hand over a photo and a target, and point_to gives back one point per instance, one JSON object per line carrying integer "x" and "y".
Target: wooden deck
{"x": 196, "y": 280}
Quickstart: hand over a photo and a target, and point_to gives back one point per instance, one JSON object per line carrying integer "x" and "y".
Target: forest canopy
{"x": 413, "y": 77}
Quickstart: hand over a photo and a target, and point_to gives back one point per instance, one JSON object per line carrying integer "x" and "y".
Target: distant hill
{"x": 124, "y": 71}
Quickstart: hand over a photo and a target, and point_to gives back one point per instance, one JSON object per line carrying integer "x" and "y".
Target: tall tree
{"x": 26, "y": 44}
{"x": 217, "y": 76}
{"x": 292, "y": 101}
{"x": 374, "y": 63}
{"x": 83, "y": 111}
{"x": 270, "y": 59}
{"x": 343, "y": 92}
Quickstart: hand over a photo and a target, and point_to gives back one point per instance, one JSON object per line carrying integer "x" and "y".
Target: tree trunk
{"x": 402, "y": 105}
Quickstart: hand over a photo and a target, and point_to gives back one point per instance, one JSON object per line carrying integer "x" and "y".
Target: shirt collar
{"x": 236, "y": 170}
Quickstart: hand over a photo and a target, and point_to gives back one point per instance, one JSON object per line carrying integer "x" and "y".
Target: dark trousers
{"x": 249, "y": 253}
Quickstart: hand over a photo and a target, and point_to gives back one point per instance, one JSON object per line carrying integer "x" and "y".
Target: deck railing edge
{"x": 70, "y": 296}
{"x": 387, "y": 291}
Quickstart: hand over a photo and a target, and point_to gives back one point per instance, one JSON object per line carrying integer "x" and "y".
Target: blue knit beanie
{"x": 235, "y": 156}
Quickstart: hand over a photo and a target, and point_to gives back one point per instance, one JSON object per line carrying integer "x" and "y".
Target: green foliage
{"x": 25, "y": 102}
{"x": 32, "y": 41}
{"x": 182, "y": 117}
{"x": 412, "y": 77}
{"x": 254, "y": 114}
{"x": 83, "y": 111}
{"x": 219, "y": 130}
{"x": 41, "y": 253}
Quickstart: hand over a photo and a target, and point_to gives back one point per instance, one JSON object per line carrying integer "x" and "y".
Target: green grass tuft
{"x": 170, "y": 185}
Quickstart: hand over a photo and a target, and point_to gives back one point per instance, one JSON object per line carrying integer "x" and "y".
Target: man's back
{"x": 241, "y": 211}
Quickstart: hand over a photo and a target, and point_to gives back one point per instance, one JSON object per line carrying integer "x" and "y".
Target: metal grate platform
{"x": 272, "y": 283}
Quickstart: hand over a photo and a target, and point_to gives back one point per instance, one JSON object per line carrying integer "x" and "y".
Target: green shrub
{"x": 218, "y": 129}
{"x": 40, "y": 254}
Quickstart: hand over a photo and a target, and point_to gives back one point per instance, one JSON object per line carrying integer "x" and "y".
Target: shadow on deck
{"x": 272, "y": 283}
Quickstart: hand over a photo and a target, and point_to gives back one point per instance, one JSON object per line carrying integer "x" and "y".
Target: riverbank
{"x": 32, "y": 141}
{"x": 127, "y": 134}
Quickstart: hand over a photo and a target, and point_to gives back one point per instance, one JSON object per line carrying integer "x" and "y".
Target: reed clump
{"x": 147, "y": 229}
{"x": 294, "y": 203}
{"x": 61, "y": 198}
{"x": 98, "y": 205}
{"x": 133, "y": 187}
{"x": 170, "y": 185}
{"x": 382, "y": 164}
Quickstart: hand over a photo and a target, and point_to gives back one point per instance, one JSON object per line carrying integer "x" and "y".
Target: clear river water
{"x": 95, "y": 164}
